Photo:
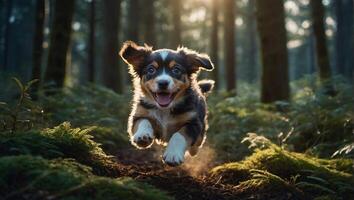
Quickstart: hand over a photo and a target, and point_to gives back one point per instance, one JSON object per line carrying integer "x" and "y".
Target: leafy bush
{"x": 27, "y": 177}
{"x": 275, "y": 169}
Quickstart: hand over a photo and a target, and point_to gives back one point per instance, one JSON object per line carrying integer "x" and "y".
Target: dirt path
{"x": 147, "y": 167}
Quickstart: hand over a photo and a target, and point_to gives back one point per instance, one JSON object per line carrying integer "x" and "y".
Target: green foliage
{"x": 311, "y": 122}
{"x": 271, "y": 167}
{"x": 27, "y": 177}
{"x": 22, "y": 114}
{"x": 92, "y": 105}
{"x": 60, "y": 141}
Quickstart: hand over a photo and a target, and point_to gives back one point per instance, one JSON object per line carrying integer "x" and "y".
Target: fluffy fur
{"x": 169, "y": 104}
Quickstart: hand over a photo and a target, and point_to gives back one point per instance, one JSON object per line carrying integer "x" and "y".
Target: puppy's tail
{"x": 206, "y": 86}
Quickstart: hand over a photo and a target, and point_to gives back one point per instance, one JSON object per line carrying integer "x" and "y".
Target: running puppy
{"x": 169, "y": 104}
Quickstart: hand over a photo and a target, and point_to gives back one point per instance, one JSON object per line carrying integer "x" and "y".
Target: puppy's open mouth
{"x": 164, "y": 98}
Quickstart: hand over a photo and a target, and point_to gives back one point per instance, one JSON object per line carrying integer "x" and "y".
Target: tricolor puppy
{"x": 169, "y": 104}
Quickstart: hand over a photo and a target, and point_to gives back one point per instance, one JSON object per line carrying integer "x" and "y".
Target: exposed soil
{"x": 145, "y": 166}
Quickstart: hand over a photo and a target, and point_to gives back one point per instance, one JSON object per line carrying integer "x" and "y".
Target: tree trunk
{"x": 176, "y": 6}
{"x": 344, "y": 37}
{"x": 110, "y": 70}
{"x": 91, "y": 43}
{"x": 8, "y": 11}
{"x": 134, "y": 11}
{"x": 317, "y": 11}
{"x": 149, "y": 23}
{"x": 38, "y": 42}
{"x": 230, "y": 47}
{"x": 272, "y": 34}
{"x": 60, "y": 35}
{"x": 214, "y": 40}
{"x": 251, "y": 49}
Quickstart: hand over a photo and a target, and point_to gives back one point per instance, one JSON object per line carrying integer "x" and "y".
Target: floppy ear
{"x": 197, "y": 60}
{"x": 133, "y": 54}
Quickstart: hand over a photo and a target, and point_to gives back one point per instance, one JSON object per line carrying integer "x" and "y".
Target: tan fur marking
{"x": 182, "y": 86}
{"x": 172, "y": 64}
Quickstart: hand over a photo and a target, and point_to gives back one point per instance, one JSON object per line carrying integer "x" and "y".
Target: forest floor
{"x": 79, "y": 149}
{"x": 144, "y": 165}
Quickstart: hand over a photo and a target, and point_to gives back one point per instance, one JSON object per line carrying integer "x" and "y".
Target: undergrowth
{"x": 311, "y": 122}
{"x": 271, "y": 168}
{"x": 37, "y": 178}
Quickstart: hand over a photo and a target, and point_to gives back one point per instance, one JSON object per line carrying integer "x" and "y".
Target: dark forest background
{"x": 270, "y": 43}
{"x": 281, "y": 118}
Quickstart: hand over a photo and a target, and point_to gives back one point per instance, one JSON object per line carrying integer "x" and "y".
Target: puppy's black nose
{"x": 163, "y": 84}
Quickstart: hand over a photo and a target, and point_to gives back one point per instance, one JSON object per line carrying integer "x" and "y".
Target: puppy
{"x": 169, "y": 104}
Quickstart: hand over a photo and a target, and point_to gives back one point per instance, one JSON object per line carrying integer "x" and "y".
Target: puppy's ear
{"x": 133, "y": 54}
{"x": 197, "y": 60}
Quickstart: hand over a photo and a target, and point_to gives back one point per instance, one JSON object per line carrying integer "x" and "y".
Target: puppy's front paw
{"x": 176, "y": 148}
{"x": 143, "y": 139}
{"x": 173, "y": 157}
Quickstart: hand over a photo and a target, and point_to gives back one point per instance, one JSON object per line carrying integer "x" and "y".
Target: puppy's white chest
{"x": 163, "y": 117}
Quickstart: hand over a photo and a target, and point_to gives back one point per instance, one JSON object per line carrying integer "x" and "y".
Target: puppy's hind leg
{"x": 143, "y": 136}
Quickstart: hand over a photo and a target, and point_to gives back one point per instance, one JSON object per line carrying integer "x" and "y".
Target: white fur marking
{"x": 144, "y": 129}
{"x": 163, "y": 54}
{"x": 175, "y": 150}
{"x": 166, "y": 77}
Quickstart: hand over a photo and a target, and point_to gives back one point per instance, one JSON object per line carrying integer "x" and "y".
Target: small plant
{"x": 24, "y": 113}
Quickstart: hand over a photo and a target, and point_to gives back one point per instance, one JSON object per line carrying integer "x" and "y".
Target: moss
{"x": 60, "y": 141}
{"x": 27, "y": 177}
{"x": 297, "y": 173}
{"x": 92, "y": 105}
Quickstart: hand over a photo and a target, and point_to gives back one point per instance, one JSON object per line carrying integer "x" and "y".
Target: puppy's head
{"x": 164, "y": 74}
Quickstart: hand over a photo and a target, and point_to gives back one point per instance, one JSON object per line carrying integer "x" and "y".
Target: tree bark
{"x": 38, "y": 42}
{"x": 110, "y": 69}
{"x": 149, "y": 23}
{"x": 344, "y": 37}
{"x": 317, "y": 11}
{"x": 214, "y": 40}
{"x": 176, "y": 6}
{"x": 251, "y": 49}
{"x": 230, "y": 47}
{"x": 272, "y": 34}
{"x": 60, "y": 35}
{"x": 91, "y": 43}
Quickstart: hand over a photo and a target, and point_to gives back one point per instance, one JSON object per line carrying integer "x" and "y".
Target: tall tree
{"x": 344, "y": 37}
{"x": 60, "y": 35}
{"x": 149, "y": 23}
{"x": 176, "y": 6}
{"x": 273, "y": 39}
{"x": 91, "y": 42}
{"x": 110, "y": 70}
{"x": 38, "y": 41}
{"x": 251, "y": 48}
{"x": 134, "y": 11}
{"x": 324, "y": 69}
{"x": 214, "y": 39}
{"x": 230, "y": 47}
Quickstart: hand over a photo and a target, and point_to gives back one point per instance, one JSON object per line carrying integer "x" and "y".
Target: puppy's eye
{"x": 150, "y": 70}
{"x": 176, "y": 70}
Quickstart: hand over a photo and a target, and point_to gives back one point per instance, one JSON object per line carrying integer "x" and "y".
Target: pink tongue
{"x": 163, "y": 99}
